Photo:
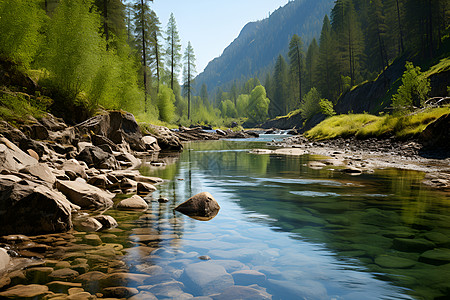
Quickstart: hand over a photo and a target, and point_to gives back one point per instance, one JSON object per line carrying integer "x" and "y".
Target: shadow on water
{"x": 385, "y": 224}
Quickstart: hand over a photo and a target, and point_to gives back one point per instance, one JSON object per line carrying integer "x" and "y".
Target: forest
{"x": 88, "y": 55}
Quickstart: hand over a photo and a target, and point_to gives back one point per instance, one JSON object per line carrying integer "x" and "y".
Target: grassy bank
{"x": 366, "y": 125}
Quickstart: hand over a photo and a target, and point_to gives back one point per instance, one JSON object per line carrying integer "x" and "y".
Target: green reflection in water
{"x": 385, "y": 222}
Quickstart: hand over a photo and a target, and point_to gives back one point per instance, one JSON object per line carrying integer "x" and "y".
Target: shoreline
{"x": 355, "y": 157}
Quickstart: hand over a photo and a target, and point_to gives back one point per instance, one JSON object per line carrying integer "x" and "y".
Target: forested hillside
{"x": 256, "y": 48}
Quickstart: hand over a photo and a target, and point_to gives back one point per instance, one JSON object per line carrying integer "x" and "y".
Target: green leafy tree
{"x": 258, "y": 106}
{"x": 173, "y": 49}
{"x": 326, "y": 107}
{"x": 296, "y": 69}
{"x": 310, "y": 104}
{"x": 155, "y": 49}
{"x": 228, "y": 109}
{"x": 414, "y": 89}
{"x": 189, "y": 74}
{"x": 166, "y": 106}
{"x": 242, "y": 103}
{"x": 113, "y": 21}
{"x": 204, "y": 95}
{"x": 20, "y": 22}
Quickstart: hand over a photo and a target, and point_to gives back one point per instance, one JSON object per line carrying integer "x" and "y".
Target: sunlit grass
{"x": 19, "y": 106}
{"x": 366, "y": 125}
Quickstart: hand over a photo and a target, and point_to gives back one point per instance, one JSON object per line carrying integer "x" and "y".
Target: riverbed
{"x": 284, "y": 231}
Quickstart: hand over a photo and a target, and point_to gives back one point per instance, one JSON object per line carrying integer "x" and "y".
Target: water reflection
{"x": 339, "y": 236}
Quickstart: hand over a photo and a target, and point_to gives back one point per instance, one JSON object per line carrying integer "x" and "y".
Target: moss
{"x": 366, "y": 125}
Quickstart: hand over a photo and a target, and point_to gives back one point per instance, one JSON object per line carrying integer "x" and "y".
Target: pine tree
{"x": 376, "y": 37}
{"x": 189, "y": 74}
{"x": 142, "y": 30}
{"x": 204, "y": 95}
{"x": 155, "y": 50}
{"x": 173, "y": 54}
{"x": 278, "y": 105}
{"x": 312, "y": 57}
{"x": 113, "y": 20}
{"x": 348, "y": 35}
{"x": 296, "y": 70}
{"x": 326, "y": 69}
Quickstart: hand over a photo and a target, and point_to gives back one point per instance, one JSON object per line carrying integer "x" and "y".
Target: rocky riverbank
{"x": 355, "y": 156}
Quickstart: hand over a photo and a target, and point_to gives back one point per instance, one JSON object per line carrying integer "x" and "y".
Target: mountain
{"x": 259, "y": 43}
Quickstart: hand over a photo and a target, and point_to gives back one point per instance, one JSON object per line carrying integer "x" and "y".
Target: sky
{"x": 211, "y": 25}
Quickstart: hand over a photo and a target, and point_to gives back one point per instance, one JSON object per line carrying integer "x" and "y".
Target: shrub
{"x": 310, "y": 104}
{"x": 413, "y": 91}
{"x": 326, "y": 107}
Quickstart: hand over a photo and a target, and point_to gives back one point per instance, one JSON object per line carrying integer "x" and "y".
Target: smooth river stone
{"x": 32, "y": 291}
{"x": 387, "y": 261}
{"x": 412, "y": 245}
{"x": 206, "y": 278}
{"x": 436, "y": 257}
{"x": 243, "y": 293}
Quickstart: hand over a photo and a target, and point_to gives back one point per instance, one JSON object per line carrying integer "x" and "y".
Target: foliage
{"x": 228, "y": 109}
{"x": 18, "y": 106}
{"x": 20, "y": 22}
{"x": 413, "y": 91}
{"x": 173, "y": 50}
{"x": 366, "y": 125}
{"x": 166, "y": 107}
{"x": 242, "y": 103}
{"x": 296, "y": 70}
{"x": 258, "y": 104}
{"x": 310, "y": 104}
{"x": 326, "y": 107}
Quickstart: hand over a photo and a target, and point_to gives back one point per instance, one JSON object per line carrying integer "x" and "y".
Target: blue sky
{"x": 211, "y": 25}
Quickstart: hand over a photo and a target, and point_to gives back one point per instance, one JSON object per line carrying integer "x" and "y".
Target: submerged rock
{"x": 206, "y": 278}
{"x": 201, "y": 206}
{"x": 134, "y": 202}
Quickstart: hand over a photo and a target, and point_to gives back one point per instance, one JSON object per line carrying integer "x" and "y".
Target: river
{"x": 285, "y": 230}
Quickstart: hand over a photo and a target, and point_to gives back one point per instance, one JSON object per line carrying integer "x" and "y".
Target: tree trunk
{"x": 402, "y": 47}
{"x": 144, "y": 55}
{"x": 189, "y": 85}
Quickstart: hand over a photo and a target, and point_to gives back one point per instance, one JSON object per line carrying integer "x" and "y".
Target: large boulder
{"x": 167, "y": 140}
{"x": 12, "y": 157}
{"x": 52, "y": 123}
{"x": 40, "y": 171}
{"x": 85, "y": 195}
{"x": 437, "y": 134}
{"x": 4, "y": 260}
{"x": 95, "y": 157}
{"x": 40, "y": 210}
{"x": 150, "y": 143}
{"x": 201, "y": 206}
{"x": 117, "y": 126}
{"x": 132, "y": 203}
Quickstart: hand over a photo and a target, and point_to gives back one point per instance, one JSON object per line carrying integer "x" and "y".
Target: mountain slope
{"x": 259, "y": 43}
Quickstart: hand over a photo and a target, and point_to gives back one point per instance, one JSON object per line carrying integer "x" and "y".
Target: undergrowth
{"x": 366, "y": 125}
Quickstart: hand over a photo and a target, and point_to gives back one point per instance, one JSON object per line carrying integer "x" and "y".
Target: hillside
{"x": 259, "y": 43}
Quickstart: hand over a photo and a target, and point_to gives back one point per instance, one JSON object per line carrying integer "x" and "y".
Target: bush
{"x": 326, "y": 107}
{"x": 310, "y": 104}
{"x": 414, "y": 89}
{"x": 166, "y": 106}
{"x": 258, "y": 106}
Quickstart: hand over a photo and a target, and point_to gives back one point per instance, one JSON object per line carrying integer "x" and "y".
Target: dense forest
{"x": 111, "y": 54}
{"x": 358, "y": 41}
{"x": 87, "y": 54}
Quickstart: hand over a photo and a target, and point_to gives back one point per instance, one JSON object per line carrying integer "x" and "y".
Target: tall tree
{"x": 173, "y": 50}
{"x": 278, "y": 105}
{"x": 142, "y": 34}
{"x": 189, "y": 74}
{"x": 326, "y": 82}
{"x": 155, "y": 42}
{"x": 312, "y": 56}
{"x": 348, "y": 34}
{"x": 204, "y": 95}
{"x": 296, "y": 69}
{"x": 376, "y": 37}
{"x": 113, "y": 20}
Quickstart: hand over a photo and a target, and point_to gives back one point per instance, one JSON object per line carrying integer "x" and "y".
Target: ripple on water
{"x": 314, "y": 194}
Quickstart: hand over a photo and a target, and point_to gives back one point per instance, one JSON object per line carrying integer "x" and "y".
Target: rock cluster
{"x": 49, "y": 170}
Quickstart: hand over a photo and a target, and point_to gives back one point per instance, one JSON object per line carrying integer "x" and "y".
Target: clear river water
{"x": 285, "y": 230}
{"x": 315, "y": 234}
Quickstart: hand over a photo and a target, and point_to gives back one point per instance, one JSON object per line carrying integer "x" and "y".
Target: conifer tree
{"x": 113, "y": 20}
{"x": 142, "y": 30}
{"x": 348, "y": 35}
{"x": 155, "y": 42}
{"x": 326, "y": 61}
{"x": 189, "y": 74}
{"x": 278, "y": 105}
{"x": 376, "y": 37}
{"x": 296, "y": 70}
{"x": 204, "y": 95}
{"x": 312, "y": 56}
{"x": 173, "y": 50}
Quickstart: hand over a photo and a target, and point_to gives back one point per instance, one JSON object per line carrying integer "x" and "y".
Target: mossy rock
{"x": 436, "y": 257}
{"x": 394, "y": 262}
{"x": 438, "y": 238}
{"x": 412, "y": 245}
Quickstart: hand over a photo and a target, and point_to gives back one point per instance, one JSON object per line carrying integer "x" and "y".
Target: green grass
{"x": 366, "y": 125}
{"x": 18, "y": 107}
